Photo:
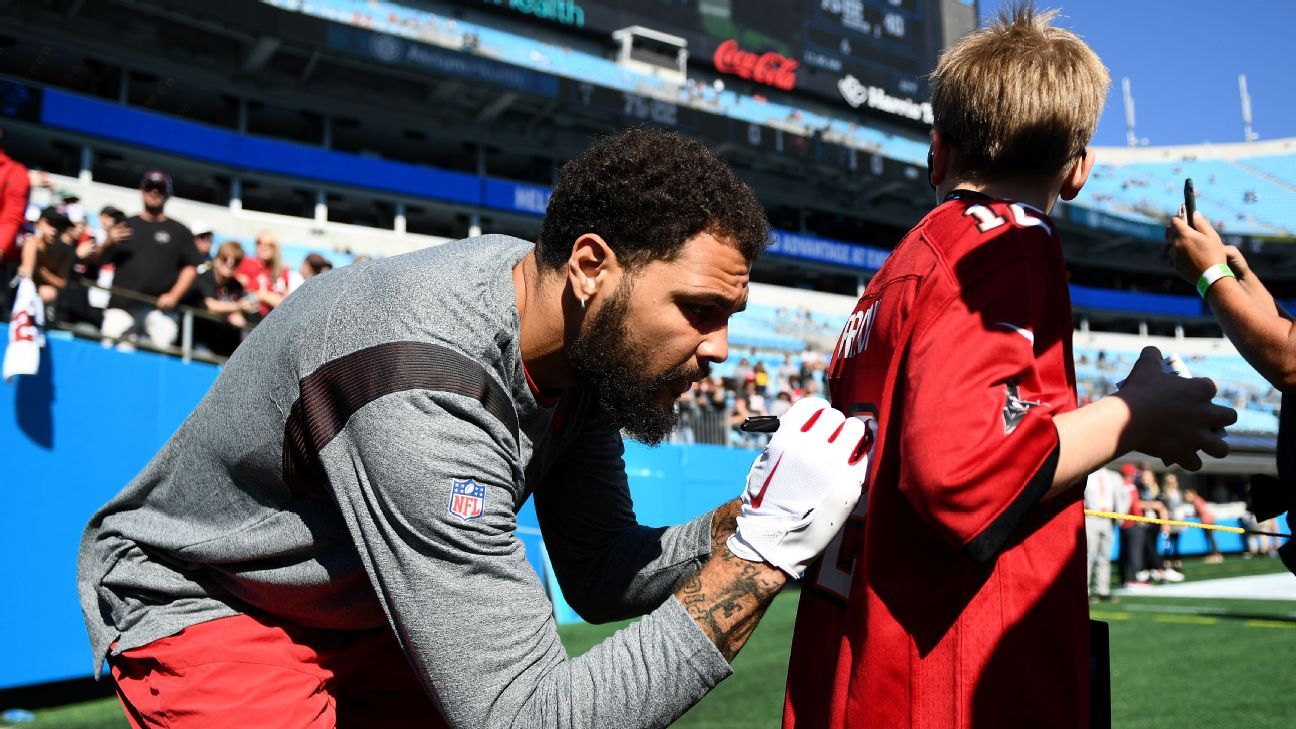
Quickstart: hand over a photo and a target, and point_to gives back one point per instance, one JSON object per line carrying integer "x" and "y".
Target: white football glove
{"x": 802, "y": 487}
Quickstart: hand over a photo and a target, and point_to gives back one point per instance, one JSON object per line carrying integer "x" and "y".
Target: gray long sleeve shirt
{"x": 360, "y": 462}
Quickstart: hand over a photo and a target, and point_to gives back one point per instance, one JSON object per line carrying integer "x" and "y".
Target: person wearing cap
{"x": 203, "y": 237}
{"x": 47, "y": 255}
{"x": 151, "y": 255}
{"x": 1131, "y": 543}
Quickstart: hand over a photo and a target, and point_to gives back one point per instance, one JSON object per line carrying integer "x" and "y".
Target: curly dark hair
{"x": 645, "y": 191}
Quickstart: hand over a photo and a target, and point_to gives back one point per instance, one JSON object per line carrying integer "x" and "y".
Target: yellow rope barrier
{"x": 1172, "y": 522}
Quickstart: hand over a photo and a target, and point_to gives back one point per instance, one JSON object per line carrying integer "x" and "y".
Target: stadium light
{"x": 1131, "y": 138}
{"x": 1247, "y": 134}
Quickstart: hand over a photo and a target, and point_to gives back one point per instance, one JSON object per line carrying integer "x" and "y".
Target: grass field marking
{"x": 1185, "y": 619}
{"x": 1189, "y": 610}
{"x": 1269, "y": 624}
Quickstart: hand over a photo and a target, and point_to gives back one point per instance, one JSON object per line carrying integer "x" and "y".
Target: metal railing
{"x": 703, "y": 424}
{"x": 187, "y": 313}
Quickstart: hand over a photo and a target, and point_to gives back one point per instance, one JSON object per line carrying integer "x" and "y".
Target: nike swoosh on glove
{"x": 802, "y": 487}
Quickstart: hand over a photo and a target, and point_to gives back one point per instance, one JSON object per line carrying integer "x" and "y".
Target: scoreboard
{"x": 868, "y": 54}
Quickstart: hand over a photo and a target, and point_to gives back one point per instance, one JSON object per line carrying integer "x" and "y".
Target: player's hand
{"x": 802, "y": 487}
{"x": 1193, "y": 249}
{"x": 1172, "y": 417}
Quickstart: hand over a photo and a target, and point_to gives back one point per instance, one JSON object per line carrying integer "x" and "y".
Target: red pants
{"x": 242, "y": 671}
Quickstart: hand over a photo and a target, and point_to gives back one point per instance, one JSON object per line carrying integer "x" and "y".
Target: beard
{"x": 606, "y": 358}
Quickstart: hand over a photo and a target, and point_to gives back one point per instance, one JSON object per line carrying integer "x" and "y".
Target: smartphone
{"x": 1190, "y": 201}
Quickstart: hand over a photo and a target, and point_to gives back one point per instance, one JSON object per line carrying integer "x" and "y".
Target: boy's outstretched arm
{"x": 1160, "y": 414}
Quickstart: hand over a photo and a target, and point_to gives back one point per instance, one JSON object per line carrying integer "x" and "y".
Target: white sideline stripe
{"x": 1278, "y": 586}
{"x": 1028, "y": 334}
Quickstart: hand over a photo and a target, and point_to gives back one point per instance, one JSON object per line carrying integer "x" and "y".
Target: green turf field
{"x": 1176, "y": 663}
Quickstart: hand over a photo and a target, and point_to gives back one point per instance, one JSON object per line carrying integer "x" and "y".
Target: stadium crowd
{"x": 129, "y": 278}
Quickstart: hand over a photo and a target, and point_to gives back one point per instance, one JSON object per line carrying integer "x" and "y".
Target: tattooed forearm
{"x": 724, "y": 522}
{"x": 729, "y": 596}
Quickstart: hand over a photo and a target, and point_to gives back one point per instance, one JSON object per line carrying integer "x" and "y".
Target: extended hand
{"x": 1173, "y": 417}
{"x": 802, "y": 487}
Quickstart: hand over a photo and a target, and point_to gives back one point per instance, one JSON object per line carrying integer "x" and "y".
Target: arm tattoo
{"x": 724, "y": 523}
{"x": 728, "y": 597}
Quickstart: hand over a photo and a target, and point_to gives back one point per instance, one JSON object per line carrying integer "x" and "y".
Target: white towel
{"x": 26, "y": 333}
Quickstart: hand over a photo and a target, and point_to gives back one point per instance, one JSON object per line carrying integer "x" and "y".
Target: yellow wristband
{"x": 1211, "y": 275}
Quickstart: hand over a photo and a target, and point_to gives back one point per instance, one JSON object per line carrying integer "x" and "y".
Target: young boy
{"x": 960, "y": 600}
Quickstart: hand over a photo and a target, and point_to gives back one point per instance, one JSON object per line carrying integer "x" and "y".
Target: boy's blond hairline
{"x": 1018, "y": 97}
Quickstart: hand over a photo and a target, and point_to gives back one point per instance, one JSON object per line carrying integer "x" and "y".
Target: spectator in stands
{"x": 313, "y": 265}
{"x": 1260, "y": 329}
{"x": 154, "y": 256}
{"x": 264, "y": 274}
{"x": 812, "y": 361}
{"x": 109, "y": 217}
{"x": 1205, "y": 516}
{"x": 204, "y": 237}
{"x": 70, "y": 204}
{"x": 1104, "y": 491}
{"x": 218, "y": 290}
{"x": 794, "y": 388}
{"x": 42, "y": 194}
{"x": 748, "y": 404}
{"x": 47, "y": 255}
{"x": 79, "y": 302}
{"x": 744, "y": 371}
{"x": 781, "y": 403}
{"x": 14, "y": 188}
{"x": 712, "y": 394}
{"x": 761, "y": 378}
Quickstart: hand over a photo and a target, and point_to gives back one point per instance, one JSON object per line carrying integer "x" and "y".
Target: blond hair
{"x": 276, "y": 263}
{"x": 230, "y": 247}
{"x": 1018, "y": 97}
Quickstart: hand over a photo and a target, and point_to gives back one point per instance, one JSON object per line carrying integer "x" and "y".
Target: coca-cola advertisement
{"x": 802, "y": 46}
{"x": 769, "y": 68}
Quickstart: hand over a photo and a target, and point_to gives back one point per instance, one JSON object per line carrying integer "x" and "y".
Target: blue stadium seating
{"x": 1240, "y": 386}
{"x": 1234, "y": 197}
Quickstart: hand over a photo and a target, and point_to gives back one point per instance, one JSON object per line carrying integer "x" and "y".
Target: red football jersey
{"x": 955, "y": 597}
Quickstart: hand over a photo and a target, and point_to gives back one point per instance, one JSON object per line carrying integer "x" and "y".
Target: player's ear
{"x": 1077, "y": 175}
{"x": 938, "y": 160}
{"x": 592, "y": 264}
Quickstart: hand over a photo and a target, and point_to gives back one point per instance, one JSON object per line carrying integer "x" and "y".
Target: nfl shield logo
{"x": 467, "y": 499}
